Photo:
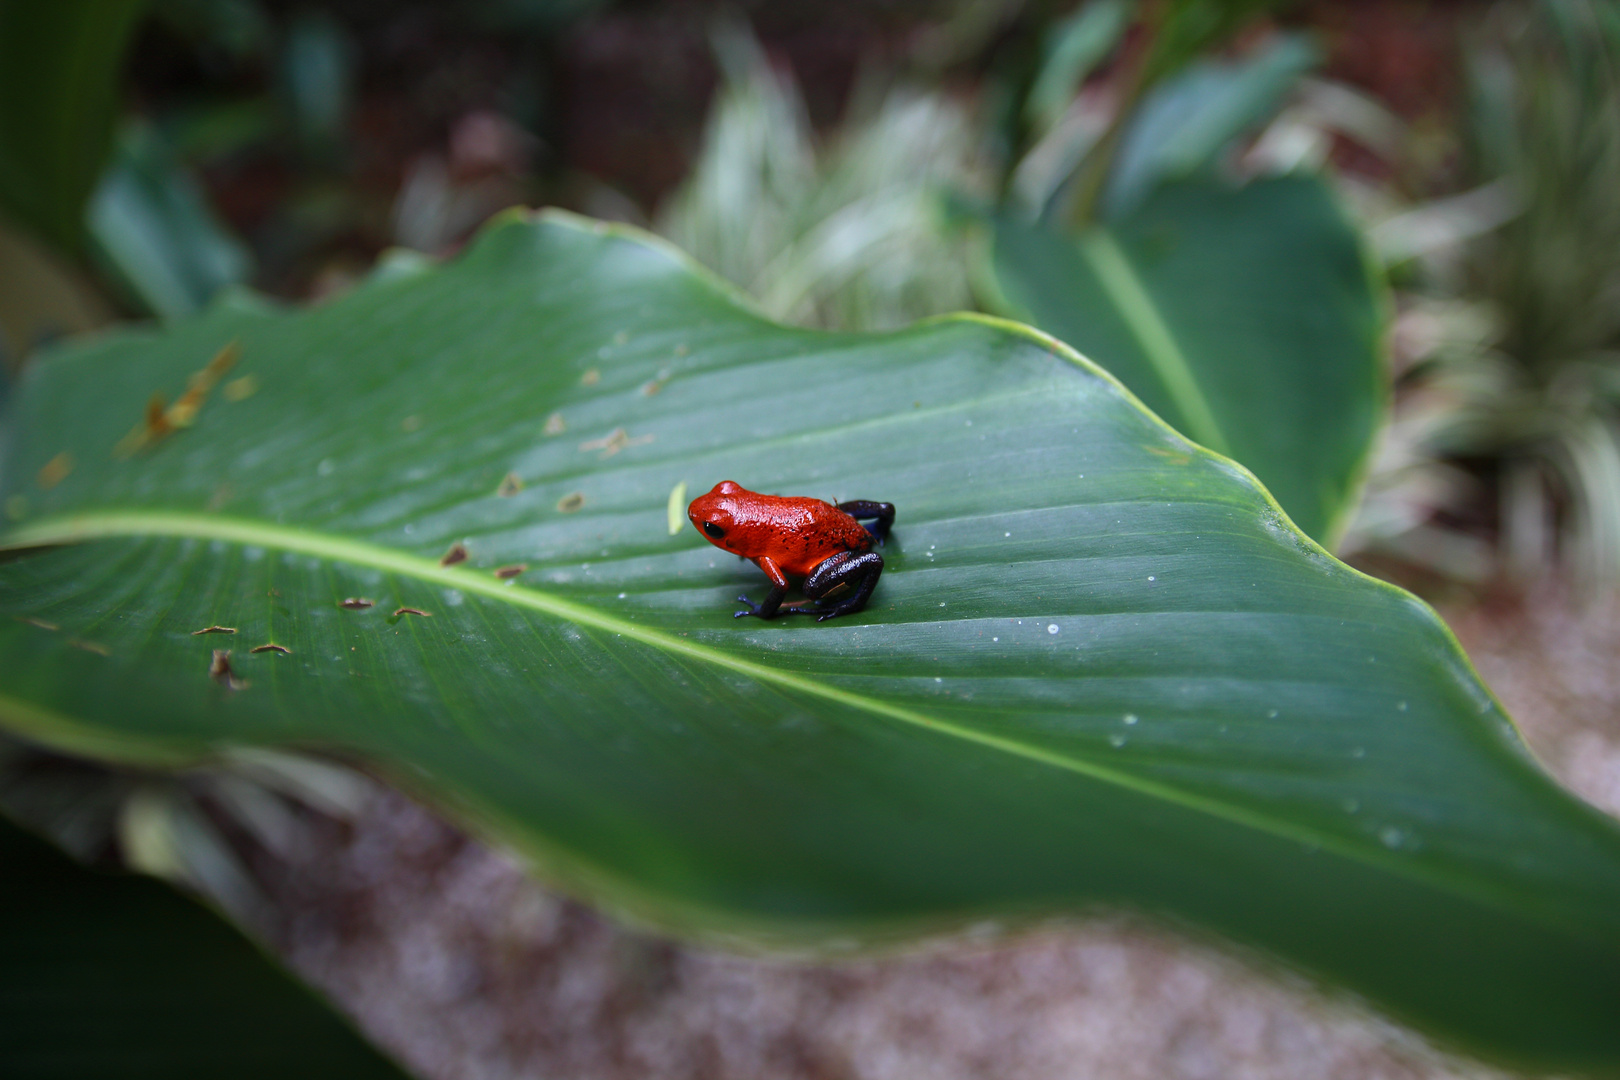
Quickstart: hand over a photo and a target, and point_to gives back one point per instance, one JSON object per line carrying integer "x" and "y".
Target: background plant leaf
{"x": 153, "y": 229}
{"x": 1184, "y": 123}
{"x": 59, "y": 67}
{"x": 111, "y": 975}
{"x": 1247, "y": 317}
{"x": 1100, "y": 670}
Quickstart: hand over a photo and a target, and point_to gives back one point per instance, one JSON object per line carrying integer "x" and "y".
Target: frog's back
{"x": 800, "y": 533}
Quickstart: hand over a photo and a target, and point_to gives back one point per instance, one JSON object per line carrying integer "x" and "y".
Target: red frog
{"x": 805, "y": 538}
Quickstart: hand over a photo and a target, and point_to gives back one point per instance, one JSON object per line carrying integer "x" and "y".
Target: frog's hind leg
{"x": 846, "y": 570}
{"x": 864, "y": 509}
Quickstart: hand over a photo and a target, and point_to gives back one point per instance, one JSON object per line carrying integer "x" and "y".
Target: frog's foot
{"x": 766, "y": 611}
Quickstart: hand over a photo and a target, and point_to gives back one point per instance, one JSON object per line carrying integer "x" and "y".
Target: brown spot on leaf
{"x": 504, "y": 572}
{"x": 590, "y": 378}
{"x": 651, "y": 388}
{"x": 90, "y": 646}
{"x": 412, "y": 611}
{"x": 1175, "y": 457}
{"x": 410, "y": 423}
{"x": 183, "y": 413}
{"x": 56, "y": 470}
{"x": 214, "y": 630}
{"x": 510, "y": 485}
{"x": 555, "y": 424}
{"x": 457, "y": 553}
{"x": 616, "y": 440}
{"x": 270, "y": 648}
{"x": 570, "y": 503}
{"x": 41, "y": 623}
{"x": 154, "y": 427}
{"x": 219, "y": 669}
{"x": 161, "y": 422}
{"x": 356, "y": 603}
{"x": 240, "y": 389}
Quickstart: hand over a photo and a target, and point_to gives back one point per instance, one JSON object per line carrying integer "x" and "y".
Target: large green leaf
{"x": 1246, "y": 317}
{"x": 111, "y": 976}
{"x": 1101, "y": 669}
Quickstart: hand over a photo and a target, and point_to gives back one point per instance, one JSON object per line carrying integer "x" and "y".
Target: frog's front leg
{"x": 771, "y": 606}
{"x": 845, "y": 570}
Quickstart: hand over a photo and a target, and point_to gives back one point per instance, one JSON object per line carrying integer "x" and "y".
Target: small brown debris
{"x": 219, "y": 669}
{"x": 616, "y": 440}
{"x": 504, "y": 572}
{"x": 214, "y": 630}
{"x": 55, "y": 470}
{"x": 412, "y": 611}
{"x": 511, "y": 484}
{"x": 240, "y": 389}
{"x": 161, "y": 422}
{"x": 555, "y": 424}
{"x": 270, "y": 648}
{"x": 90, "y": 646}
{"x": 273, "y": 592}
{"x": 590, "y": 378}
{"x": 651, "y": 388}
{"x": 457, "y": 553}
{"x": 154, "y": 427}
{"x": 410, "y": 423}
{"x": 183, "y": 413}
{"x": 356, "y": 603}
{"x": 41, "y": 623}
{"x": 571, "y": 502}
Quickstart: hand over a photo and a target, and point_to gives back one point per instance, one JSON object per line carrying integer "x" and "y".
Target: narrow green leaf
{"x": 1184, "y": 123}
{"x": 1100, "y": 669}
{"x": 151, "y": 224}
{"x": 1074, "y": 48}
{"x": 59, "y": 67}
{"x": 1246, "y": 317}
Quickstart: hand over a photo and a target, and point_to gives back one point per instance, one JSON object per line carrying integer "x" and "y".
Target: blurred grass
{"x": 1513, "y": 323}
{"x": 851, "y": 234}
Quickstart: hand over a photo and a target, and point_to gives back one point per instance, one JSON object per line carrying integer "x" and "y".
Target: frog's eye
{"x": 713, "y": 530}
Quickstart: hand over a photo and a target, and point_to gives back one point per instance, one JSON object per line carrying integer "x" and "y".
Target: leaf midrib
{"x": 118, "y": 524}
{"x": 1153, "y": 336}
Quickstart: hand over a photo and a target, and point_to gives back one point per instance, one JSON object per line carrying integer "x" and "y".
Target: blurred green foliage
{"x": 155, "y": 233}
{"x": 113, "y": 976}
{"x": 852, "y": 234}
{"x": 59, "y": 99}
{"x": 1510, "y": 414}
{"x": 1544, "y": 114}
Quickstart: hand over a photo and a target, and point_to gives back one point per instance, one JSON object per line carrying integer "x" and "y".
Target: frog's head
{"x": 713, "y": 514}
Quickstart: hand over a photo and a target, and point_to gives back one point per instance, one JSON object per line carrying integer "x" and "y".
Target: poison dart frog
{"x": 806, "y": 538}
